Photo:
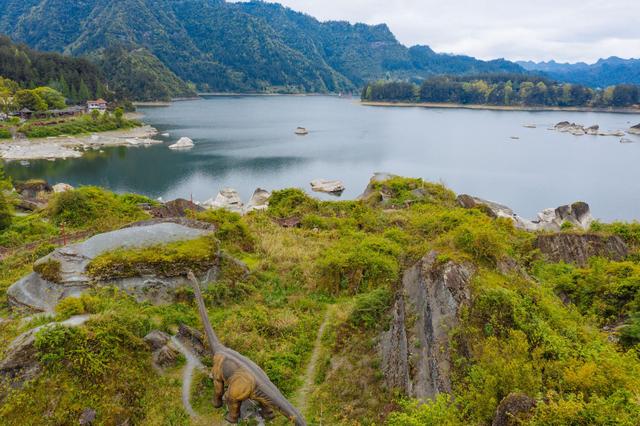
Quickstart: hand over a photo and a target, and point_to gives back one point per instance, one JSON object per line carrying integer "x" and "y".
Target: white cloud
{"x": 565, "y": 30}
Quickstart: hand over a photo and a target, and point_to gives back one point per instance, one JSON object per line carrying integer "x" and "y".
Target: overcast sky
{"x": 565, "y": 30}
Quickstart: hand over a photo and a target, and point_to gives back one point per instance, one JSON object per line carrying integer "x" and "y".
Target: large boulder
{"x": 579, "y": 248}
{"x": 33, "y": 189}
{"x": 328, "y": 186}
{"x": 227, "y": 198}
{"x": 259, "y": 200}
{"x": 62, "y": 187}
{"x": 514, "y": 410}
{"x": 20, "y": 363}
{"x": 634, "y": 130}
{"x": 63, "y": 273}
{"x": 164, "y": 353}
{"x": 370, "y": 190}
{"x": 415, "y": 351}
{"x": 175, "y": 208}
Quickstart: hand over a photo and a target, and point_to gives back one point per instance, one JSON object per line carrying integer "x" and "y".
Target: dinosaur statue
{"x": 243, "y": 378}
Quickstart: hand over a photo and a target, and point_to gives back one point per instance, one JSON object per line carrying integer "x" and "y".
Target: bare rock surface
{"x": 634, "y": 130}
{"x": 62, "y": 187}
{"x": 577, "y": 214}
{"x": 415, "y": 350}
{"x": 38, "y": 293}
{"x": 183, "y": 143}
{"x": 227, "y": 198}
{"x": 579, "y": 248}
{"x": 259, "y": 200}
{"x": 174, "y": 208}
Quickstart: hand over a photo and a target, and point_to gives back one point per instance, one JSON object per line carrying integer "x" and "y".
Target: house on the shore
{"x": 99, "y": 105}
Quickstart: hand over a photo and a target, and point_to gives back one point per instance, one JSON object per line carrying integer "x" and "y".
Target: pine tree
{"x": 84, "y": 93}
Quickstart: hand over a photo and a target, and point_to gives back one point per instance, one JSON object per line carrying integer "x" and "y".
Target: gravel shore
{"x": 73, "y": 146}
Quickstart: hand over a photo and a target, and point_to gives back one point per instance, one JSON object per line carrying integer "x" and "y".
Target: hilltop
{"x": 220, "y": 46}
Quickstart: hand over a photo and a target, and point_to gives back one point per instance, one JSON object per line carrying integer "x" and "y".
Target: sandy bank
{"x": 73, "y": 146}
{"x": 499, "y": 107}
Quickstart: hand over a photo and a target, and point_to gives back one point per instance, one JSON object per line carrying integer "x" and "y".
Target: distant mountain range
{"x": 166, "y": 48}
{"x": 604, "y": 73}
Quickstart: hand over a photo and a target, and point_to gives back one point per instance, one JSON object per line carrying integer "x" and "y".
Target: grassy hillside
{"x": 531, "y": 326}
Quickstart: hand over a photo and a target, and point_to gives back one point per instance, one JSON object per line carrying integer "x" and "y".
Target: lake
{"x": 246, "y": 142}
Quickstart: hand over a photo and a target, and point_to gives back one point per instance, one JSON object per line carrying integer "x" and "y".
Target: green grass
{"x": 75, "y": 126}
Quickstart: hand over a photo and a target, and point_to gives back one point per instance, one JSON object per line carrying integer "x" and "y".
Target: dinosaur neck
{"x": 212, "y": 338}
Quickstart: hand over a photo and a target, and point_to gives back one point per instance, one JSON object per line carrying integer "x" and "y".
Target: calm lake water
{"x": 246, "y": 142}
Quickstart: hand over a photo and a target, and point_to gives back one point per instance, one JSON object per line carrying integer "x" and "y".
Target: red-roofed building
{"x": 99, "y": 104}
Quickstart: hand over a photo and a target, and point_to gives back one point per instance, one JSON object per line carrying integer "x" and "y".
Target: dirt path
{"x": 193, "y": 363}
{"x": 310, "y": 372}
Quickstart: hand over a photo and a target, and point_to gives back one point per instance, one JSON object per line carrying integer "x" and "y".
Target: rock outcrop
{"x": 183, "y": 143}
{"x": 174, "y": 208}
{"x": 415, "y": 350}
{"x": 227, "y": 198}
{"x": 164, "y": 353}
{"x": 63, "y": 272}
{"x": 580, "y": 130}
{"x": 62, "y": 187}
{"x": 259, "y": 201}
{"x": 327, "y": 186}
{"x": 514, "y": 410}
{"x": 20, "y": 363}
{"x": 634, "y": 130}
{"x": 577, "y": 214}
{"x": 579, "y": 248}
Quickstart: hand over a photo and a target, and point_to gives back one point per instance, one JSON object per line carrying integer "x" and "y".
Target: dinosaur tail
{"x": 214, "y": 343}
{"x": 291, "y": 412}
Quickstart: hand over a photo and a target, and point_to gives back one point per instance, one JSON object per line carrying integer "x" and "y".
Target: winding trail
{"x": 187, "y": 374}
{"x": 309, "y": 375}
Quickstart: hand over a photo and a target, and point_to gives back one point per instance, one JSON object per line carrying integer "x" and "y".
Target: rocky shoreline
{"x": 62, "y": 147}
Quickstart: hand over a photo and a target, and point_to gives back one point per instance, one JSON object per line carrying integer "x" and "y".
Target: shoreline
{"x": 63, "y": 147}
{"x": 437, "y": 105}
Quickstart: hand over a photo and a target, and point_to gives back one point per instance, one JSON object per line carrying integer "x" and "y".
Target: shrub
{"x": 6, "y": 217}
{"x": 438, "y": 412}
{"x": 482, "y": 242}
{"x": 291, "y": 203}
{"x": 371, "y": 308}
{"x": 49, "y": 270}
{"x": 630, "y": 333}
{"x": 358, "y": 262}
{"x": 403, "y": 191}
{"x": 229, "y": 227}
{"x": 5, "y": 133}
{"x": 90, "y": 205}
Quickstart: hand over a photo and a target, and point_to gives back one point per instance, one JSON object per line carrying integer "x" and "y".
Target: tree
{"x": 30, "y": 99}
{"x": 84, "y": 94}
{"x": 53, "y": 98}
{"x": 95, "y": 114}
{"x": 118, "y": 113}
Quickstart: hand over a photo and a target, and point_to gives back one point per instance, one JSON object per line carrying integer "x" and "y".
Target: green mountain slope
{"x": 220, "y": 46}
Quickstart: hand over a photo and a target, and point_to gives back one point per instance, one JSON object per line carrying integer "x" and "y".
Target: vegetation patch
{"x": 169, "y": 260}
{"x": 49, "y": 270}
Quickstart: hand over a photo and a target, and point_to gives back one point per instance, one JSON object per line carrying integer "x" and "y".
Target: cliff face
{"x": 415, "y": 350}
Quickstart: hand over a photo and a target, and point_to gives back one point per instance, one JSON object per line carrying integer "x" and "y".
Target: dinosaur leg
{"x": 241, "y": 386}
{"x": 234, "y": 411}
{"x": 218, "y": 391}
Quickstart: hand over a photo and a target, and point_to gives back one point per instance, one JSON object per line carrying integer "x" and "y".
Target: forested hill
{"x": 77, "y": 79}
{"x": 604, "y": 73}
{"x": 502, "y": 90}
{"x": 220, "y": 46}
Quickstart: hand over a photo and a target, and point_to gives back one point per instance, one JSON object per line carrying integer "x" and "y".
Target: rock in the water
{"x": 328, "y": 186}
{"x": 41, "y": 293}
{"x": 579, "y": 248}
{"x": 514, "y": 410}
{"x": 417, "y": 359}
{"x": 634, "y": 130}
{"x": 20, "y": 363}
{"x": 175, "y": 208}
{"x": 62, "y": 187}
{"x": 593, "y": 130}
{"x": 183, "y": 143}
{"x": 259, "y": 200}
{"x": 227, "y": 198}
